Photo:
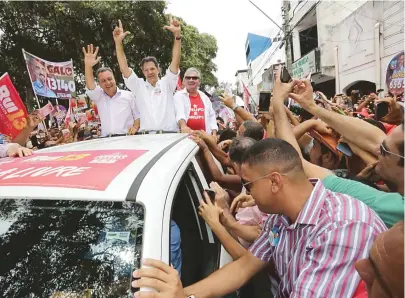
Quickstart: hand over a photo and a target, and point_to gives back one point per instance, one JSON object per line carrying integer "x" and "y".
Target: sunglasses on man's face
{"x": 248, "y": 184}
{"x": 384, "y": 151}
{"x": 192, "y": 78}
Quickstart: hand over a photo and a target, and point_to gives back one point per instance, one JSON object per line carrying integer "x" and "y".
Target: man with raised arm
{"x": 154, "y": 96}
{"x": 117, "y": 108}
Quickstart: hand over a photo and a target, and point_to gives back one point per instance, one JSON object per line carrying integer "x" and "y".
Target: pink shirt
{"x": 315, "y": 256}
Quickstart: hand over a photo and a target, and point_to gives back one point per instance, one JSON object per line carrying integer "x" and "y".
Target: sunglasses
{"x": 192, "y": 78}
{"x": 384, "y": 151}
{"x": 248, "y": 184}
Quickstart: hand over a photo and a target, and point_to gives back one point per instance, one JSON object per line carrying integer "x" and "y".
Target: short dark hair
{"x": 227, "y": 134}
{"x": 221, "y": 120}
{"x": 253, "y": 129}
{"x": 238, "y": 148}
{"x": 273, "y": 151}
{"x": 149, "y": 59}
{"x": 103, "y": 69}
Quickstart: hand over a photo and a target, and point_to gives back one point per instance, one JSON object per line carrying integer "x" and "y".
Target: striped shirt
{"x": 315, "y": 256}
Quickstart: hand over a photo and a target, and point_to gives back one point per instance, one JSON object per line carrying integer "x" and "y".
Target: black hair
{"x": 149, "y": 59}
{"x": 376, "y": 123}
{"x": 273, "y": 151}
{"x": 227, "y": 134}
{"x": 221, "y": 120}
{"x": 238, "y": 148}
{"x": 253, "y": 129}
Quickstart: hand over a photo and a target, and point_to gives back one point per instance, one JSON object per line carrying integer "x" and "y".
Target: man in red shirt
{"x": 193, "y": 108}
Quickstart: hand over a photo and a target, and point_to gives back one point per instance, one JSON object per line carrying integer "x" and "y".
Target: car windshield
{"x": 61, "y": 248}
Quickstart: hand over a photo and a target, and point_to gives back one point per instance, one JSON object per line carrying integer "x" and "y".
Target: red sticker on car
{"x": 77, "y": 169}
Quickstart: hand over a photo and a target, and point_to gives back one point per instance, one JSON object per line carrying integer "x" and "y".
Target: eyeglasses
{"x": 192, "y": 78}
{"x": 248, "y": 184}
{"x": 384, "y": 151}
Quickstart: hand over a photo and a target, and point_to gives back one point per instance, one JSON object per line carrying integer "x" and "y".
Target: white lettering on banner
{"x": 112, "y": 158}
{"x": 43, "y": 171}
{"x": 6, "y": 103}
{"x": 196, "y": 113}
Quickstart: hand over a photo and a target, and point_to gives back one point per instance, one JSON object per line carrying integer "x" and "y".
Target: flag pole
{"x": 36, "y": 97}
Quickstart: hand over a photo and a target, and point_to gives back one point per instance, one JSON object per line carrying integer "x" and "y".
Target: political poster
{"x": 395, "y": 75}
{"x": 51, "y": 79}
{"x": 13, "y": 115}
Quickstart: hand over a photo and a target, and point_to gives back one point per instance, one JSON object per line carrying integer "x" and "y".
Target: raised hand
{"x": 90, "y": 56}
{"x": 242, "y": 201}
{"x": 34, "y": 119}
{"x": 174, "y": 27}
{"x": 119, "y": 34}
{"x": 227, "y": 100}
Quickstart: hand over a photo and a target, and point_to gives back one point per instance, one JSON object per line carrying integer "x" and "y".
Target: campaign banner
{"x": 395, "y": 75}
{"x": 59, "y": 113}
{"x": 51, "y": 79}
{"x": 76, "y": 169}
{"x": 46, "y": 110}
{"x": 13, "y": 115}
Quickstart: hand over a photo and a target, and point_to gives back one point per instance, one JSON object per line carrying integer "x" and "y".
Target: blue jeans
{"x": 175, "y": 246}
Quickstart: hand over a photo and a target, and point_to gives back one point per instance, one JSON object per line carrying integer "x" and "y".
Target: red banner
{"x": 13, "y": 115}
{"x": 76, "y": 169}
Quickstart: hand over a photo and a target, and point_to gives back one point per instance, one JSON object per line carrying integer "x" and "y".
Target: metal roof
{"x": 165, "y": 153}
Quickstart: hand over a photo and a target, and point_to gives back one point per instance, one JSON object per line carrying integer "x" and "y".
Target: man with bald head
{"x": 383, "y": 270}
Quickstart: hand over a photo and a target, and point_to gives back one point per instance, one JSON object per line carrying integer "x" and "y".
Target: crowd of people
{"x": 308, "y": 196}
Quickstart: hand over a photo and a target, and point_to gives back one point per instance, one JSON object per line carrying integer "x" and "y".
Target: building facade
{"x": 347, "y": 45}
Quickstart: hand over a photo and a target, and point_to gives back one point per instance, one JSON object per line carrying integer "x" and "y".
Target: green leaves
{"x": 56, "y": 31}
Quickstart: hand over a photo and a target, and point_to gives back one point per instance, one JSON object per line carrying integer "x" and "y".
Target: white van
{"x": 75, "y": 220}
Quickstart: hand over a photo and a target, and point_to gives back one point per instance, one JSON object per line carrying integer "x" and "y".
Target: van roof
{"x": 102, "y": 169}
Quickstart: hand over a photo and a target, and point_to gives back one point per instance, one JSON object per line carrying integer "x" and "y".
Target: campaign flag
{"x": 246, "y": 96}
{"x": 13, "y": 115}
{"x": 68, "y": 115}
{"x": 50, "y": 79}
{"x": 46, "y": 110}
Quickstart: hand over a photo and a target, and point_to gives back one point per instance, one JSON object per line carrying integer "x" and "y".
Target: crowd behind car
{"x": 308, "y": 196}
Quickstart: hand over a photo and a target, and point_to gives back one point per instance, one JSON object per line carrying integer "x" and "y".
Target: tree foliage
{"x": 56, "y": 31}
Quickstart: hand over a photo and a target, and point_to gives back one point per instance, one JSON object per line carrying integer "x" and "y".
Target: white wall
{"x": 354, "y": 37}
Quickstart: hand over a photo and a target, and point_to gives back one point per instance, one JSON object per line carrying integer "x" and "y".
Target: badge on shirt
{"x": 157, "y": 91}
{"x": 274, "y": 236}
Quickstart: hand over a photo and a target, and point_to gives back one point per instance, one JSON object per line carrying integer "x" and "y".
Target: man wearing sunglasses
{"x": 193, "y": 108}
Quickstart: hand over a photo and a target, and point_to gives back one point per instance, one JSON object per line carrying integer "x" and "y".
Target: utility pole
{"x": 287, "y": 34}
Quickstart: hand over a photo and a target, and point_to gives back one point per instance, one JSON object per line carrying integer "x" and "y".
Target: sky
{"x": 229, "y": 22}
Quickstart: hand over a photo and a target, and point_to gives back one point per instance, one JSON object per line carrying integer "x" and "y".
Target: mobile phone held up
{"x": 211, "y": 194}
{"x": 345, "y": 149}
{"x": 285, "y": 75}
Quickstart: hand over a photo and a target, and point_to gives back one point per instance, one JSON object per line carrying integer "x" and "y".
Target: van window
{"x": 200, "y": 247}
{"x": 62, "y": 248}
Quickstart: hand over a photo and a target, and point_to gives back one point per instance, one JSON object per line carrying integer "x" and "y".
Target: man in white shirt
{"x": 116, "y": 108}
{"x": 193, "y": 108}
{"x": 154, "y": 96}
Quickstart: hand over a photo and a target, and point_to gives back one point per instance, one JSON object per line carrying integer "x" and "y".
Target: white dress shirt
{"x": 182, "y": 107}
{"x": 117, "y": 113}
{"x": 155, "y": 104}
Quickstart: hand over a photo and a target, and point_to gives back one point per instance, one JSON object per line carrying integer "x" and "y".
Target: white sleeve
{"x": 134, "y": 108}
{"x": 212, "y": 117}
{"x": 133, "y": 82}
{"x": 171, "y": 80}
{"x": 179, "y": 107}
{"x": 95, "y": 94}
{"x": 3, "y": 150}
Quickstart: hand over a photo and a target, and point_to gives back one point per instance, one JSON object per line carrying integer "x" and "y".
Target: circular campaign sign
{"x": 395, "y": 74}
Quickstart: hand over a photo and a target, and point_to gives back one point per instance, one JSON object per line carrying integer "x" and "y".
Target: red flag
{"x": 246, "y": 96}
{"x": 179, "y": 85}
{"x": 13, "y": 115}
{"x": 68, "y": 115}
